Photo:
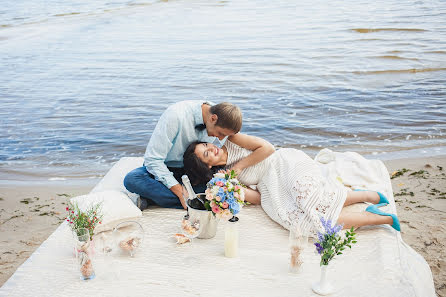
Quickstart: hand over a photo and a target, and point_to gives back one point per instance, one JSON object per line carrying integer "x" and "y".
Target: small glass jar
{"x": 298, "y": 239}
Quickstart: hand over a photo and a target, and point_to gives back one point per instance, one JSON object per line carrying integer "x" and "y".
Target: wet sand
{"x": 29, "y": 214}
{"x": 420, "y": 196}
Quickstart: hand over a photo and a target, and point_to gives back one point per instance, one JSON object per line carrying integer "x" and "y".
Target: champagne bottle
{"x": 187, "y": 184}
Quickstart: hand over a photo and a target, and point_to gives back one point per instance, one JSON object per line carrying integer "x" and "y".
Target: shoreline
{"x": 31, "y": 210}
{"x": 22, "y": 176}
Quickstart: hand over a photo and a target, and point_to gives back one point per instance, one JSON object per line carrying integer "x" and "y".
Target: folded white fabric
{"x": 353, "y": 170}
{"x": 396, "y": 270}
{"x": 114, "y": 179}
{"x": 116, "y": 208}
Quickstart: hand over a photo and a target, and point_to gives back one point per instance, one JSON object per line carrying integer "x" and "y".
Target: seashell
{"x": 181, "y": 238}
{"x": 130, "y": 243}
{"x": 189, "y": 228}
{"x": 87, "y": 268}
{"x": 295, "y": 260}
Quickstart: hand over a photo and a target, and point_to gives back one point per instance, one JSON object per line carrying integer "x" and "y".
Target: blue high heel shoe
{"x": 382, "y": 198}
{"x": 374, "y": 209}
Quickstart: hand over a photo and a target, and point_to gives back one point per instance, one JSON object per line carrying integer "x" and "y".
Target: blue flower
{"x": 214, "y": 180}
{"x": 319, "y": 248}
{"x": 338, "y": 228}
{"x": 330, "y": 230}
{"x": 331, "y": 241}
{"x": 321, "y": 237}
{"x": 221, "y": 193}
{"x": 235, "y": 207}
{"x": 230, "y": 200}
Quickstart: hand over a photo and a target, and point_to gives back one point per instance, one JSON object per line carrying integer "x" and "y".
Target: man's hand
{"x": 178, "y": 190}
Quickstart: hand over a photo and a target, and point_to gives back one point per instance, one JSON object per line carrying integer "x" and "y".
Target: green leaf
{"x": 207, "y": 205}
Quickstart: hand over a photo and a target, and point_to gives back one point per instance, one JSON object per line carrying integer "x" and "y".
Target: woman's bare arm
{"x": 261, "y": 149}
{"x": 252, "y": 196}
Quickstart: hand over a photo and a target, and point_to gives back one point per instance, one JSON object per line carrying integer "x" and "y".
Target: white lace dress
{"x": 292, "y": 188}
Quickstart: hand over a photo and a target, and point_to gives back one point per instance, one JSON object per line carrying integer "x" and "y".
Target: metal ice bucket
{"x": 208, "y": 221}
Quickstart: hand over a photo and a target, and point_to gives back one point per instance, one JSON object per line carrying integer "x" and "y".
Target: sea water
{"x": 83, "y": 83}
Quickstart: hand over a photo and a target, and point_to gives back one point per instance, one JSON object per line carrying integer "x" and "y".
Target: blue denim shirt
{"x": 172, "y": 135}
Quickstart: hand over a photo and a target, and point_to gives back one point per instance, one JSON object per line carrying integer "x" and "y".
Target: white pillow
{"x": 116, "y": 208}
{"x": 114, "y": 179}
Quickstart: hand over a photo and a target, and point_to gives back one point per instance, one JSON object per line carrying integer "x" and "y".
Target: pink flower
{"x": 236, "y": 188}
{"x": 225, "y": 189}
{"x": 220, "y": 183}
{"x": 67, "y": 209}
{"x": 215, "y": 209}
{"x": 225, "y": 204}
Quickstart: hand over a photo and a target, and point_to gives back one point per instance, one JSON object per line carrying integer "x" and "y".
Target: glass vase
{"x": 83, "y": 254}
{"x": 323, "y": 287}
{"x": 128, "y": 237}
{"x": 297, "y": 242}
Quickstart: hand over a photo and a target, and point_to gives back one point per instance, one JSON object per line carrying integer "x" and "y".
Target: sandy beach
{"x": 420, "y": 195}
{"x": 29, "y": 214}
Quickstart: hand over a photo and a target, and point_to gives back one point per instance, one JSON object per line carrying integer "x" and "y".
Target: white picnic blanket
{"x": 380, "y": 264}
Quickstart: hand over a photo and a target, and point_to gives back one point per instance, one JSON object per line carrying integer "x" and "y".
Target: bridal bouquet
{"x": 331, "y": 243}
{"x": 224, "y": 195}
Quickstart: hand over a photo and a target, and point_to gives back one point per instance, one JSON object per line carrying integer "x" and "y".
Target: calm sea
{"x": 83, "y": 83}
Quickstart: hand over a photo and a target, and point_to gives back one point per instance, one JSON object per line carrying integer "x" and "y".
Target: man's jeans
{"x": 141, "y": 182}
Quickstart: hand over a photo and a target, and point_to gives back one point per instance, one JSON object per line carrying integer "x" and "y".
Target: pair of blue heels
{"x": 383, "y": 202}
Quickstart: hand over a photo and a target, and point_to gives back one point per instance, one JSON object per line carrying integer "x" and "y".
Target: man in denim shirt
{"x": 159, "y": 180}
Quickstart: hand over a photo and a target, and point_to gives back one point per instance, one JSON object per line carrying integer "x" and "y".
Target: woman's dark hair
{"x": 197, "y": 171}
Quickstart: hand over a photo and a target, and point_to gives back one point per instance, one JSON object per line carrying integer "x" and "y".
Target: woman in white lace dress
{"x": 290, "y": 186}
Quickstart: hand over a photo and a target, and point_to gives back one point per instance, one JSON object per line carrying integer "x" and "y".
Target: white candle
{"x": 231, "y": 240}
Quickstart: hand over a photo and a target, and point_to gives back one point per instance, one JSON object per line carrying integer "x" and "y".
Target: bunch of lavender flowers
{"x": 330, "y": 243}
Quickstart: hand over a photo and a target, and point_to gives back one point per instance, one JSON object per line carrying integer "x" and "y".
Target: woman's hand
{"x": 236, "y": 169}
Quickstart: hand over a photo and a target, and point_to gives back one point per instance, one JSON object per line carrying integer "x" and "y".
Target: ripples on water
{"x": 82, "y": 83}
